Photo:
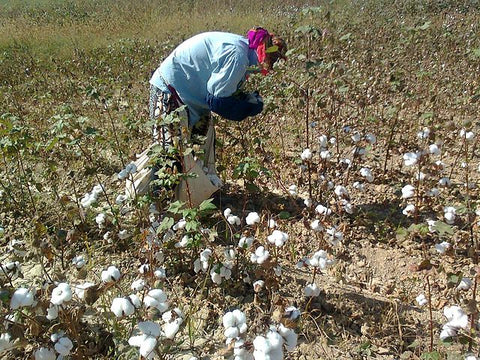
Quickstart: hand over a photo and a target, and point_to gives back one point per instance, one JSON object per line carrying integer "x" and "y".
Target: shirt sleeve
{"x": 227, "y": 75}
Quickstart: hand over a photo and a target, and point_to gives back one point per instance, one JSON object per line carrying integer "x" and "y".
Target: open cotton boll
{"x": 442, "y": 247}
{"x": 122, "y": 307}
{"x": 80, "y": 289}
{"x": 278, "y": 238}
{"x": 260, "y": 255}
{"x": 293, "y": 190}
{"x": 311, "y": 290}
{"x": 445, "y": 181}
{"x": 120, "y": 199}
{"x": 138, "y": 285}
{"x": 63, "y": 346}
{"x": 156, "y": 298}
{"x": 423, "y": 134}
{"x": 22, "y": 297}
{"x": 258, "y": 285}
{"x": 356, "y": 137}
{"x": 123, "y": 234}
{"x": 323, "y": 141}
{"x": 457, "y": 318}
{"x": 335, "y": 236}
{"x": 408, "y": 191}
{"x": 341, "y": 191}
{"x": 465, "y": 284}
{"x": 252, "y": 218}
{"x": 112, "y": 274}
{"x": 434, "y": 149}
{"x": 320, "y": 260}
{"x": 468, "y": 135}
{"x": 325, "y": 155}
{"x": 235, "y": 323}
{"x": 306, "y": 155}
{"x": 233, "y": 220}
{"x": 173, "y": 319}
{"x": 409, "y": 210}
{"x": 147, "y": 347}
{"x": 411, "y": 158}
{"x": 421, "y": 300}
{"x": 447, "y": 332}
{"x": 245, "y": 242}
{"x": 79, "y": 261}
{"x": 44, "y": 354}
{"x": 52, "y": 312}
{"x": 315, "y": 225}
{"x": 367, "y": 174}
{"x": 370, "y": 138}
{"x": 289, "y": 336}
{"x": 322, "y": 210}
{"x": 6, "y": 342}
{"x": 180, "y": 225}
{"x": 100, "y": 220}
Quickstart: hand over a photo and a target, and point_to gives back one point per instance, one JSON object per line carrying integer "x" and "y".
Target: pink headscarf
{"x": 255, "y": 41}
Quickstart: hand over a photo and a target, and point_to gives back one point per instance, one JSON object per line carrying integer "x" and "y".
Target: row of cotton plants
{"x": 141, "y": 303}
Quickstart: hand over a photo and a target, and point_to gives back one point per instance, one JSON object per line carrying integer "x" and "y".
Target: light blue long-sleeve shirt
{"x": 209, "y": 63}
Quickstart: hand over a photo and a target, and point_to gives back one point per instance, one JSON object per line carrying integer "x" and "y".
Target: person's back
{"x": 212, "y": 63}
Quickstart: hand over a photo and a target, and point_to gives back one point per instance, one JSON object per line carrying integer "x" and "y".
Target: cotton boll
{"x": 52, "y": 312}
{"x": 447, "y": 332}
{"x": 147, "y": 348}
{"x": 123, "y": 234}
{"x": 370, "y": 138}
{"x": 100, "y": 220}
{"x": 112, "y": 274}
{"x": 44, "y": 354}
{"x": 289, "y": 336}
{"x": 272, "y": 223}
{"x": 293, "y": 190}
{"x": 445, "y": 181}
{"x": 421, "y": 300}
{"x": 122, "y": 175}
{"x": 22, "y": 297}
{"x": 434, "y": 149}
{"x": 252, "y": 218}
{"x": 457, "y": 318}
{"x": 410, "y": 158}
{"x": 359, "y": 186}
{"x": 424, "y": 134}
{"x": 315, "y": 225}
{"x": 325, "y": 155}
{"x": 80, "y": 289}
{"x": 356, "y": 137}
{"x": 442, "y": 247}
{"x": 233, "y": 220}
{"x": 173, "y": 319}
{"x": 245, "y": 242}
{"x": 465, "y": 284}
{"x": 409, "y": 210}
{"x": 79, "y": 261}
{"x": 180, "y": 225}
{"x": 120, "y": 199}
{"x": 258, "y": 285}
{"x": 63, "y": 346}
{"x": 144, "y": 268}
{"x": 341, "y": 191}
{"x": 149, "y": 328}
{"x": 323, "y": 141}
{"x": 312, "y": 290}
{"x": 278, "y": 238}
{"x": 260, "y": 255}
{"x": 306, "y": 155}
{"x": 122, "y": 307}
{"x": 408, "y": 191}
{"x": 138, "y": 285}
{"x": 227, "y": 212}
{"x": 156, "y": 298}
{"x": 322, "y": 210}
{"x": 367, "y": 174}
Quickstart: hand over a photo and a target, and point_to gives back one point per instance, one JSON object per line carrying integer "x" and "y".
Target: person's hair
{"x": 272, "y": 57}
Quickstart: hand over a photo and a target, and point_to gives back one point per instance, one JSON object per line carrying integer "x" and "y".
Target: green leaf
{"x": 166, "y": 224}
{"x": 284, "y": 215}
{"x": 425, "y": 26}
{"x": 345, "y": 37}
{"x": 176, "y": 207}
{"x": 476, "y": 53}
{"x": 401, "y": 233}
{"x": 442, "y": 228}
{"x": 271, "y": 49}
{"x": 434, "y": 355}
{"x": 207, "y": 205}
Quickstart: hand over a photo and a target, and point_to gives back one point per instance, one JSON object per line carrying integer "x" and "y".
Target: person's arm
{"x": 223, "y": 97}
